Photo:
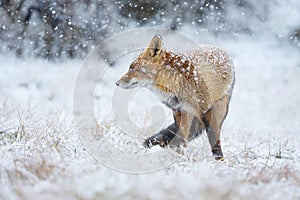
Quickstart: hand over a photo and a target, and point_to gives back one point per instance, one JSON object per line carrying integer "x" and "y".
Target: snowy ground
{"x": 42, "y": 157}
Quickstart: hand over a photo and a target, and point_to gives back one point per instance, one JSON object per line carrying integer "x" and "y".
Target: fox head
{"x": 143, "y": 70}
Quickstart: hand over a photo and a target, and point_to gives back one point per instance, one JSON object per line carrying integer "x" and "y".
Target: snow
{"x": 42, "y": 156}
{"x": 42, "y": 151}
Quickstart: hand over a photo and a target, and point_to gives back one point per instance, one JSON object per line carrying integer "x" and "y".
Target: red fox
{"x": 196, "y": 85}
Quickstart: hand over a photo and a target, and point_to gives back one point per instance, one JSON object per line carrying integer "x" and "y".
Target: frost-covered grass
{"x": 42, "y": 157}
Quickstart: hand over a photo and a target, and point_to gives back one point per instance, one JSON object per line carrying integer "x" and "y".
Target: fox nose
{"x": 117, "y": 83}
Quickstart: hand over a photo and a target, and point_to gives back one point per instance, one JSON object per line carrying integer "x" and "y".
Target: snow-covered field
{"x": 43, "y": 158}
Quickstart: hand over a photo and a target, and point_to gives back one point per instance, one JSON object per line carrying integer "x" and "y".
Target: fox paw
{"x": 153, "y": 141}
{"x": 148, "y": 144}
{"x": 217, "y": 153}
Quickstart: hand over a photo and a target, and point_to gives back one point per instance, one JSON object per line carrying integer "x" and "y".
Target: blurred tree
{"x": 52, "y": 29}
{"x": 55, "y": 29}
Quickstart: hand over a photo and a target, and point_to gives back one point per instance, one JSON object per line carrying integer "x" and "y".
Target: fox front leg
{"x": 163, "y": 137}
{"x": 184, "y": 128}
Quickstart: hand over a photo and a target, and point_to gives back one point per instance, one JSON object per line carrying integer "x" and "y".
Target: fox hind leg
{"x": 196, "y": 129}
{"x": 213, "y": 120}
{"x": 213, "y": 133}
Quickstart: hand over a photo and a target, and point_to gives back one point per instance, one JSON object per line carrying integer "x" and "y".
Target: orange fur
{"x": 197, "y": 84}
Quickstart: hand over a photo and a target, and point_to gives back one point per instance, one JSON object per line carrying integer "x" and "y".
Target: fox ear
{"x": 155, "y": 46}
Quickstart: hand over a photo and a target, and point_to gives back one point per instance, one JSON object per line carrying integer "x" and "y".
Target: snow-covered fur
{"x": 196, "y": 85}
